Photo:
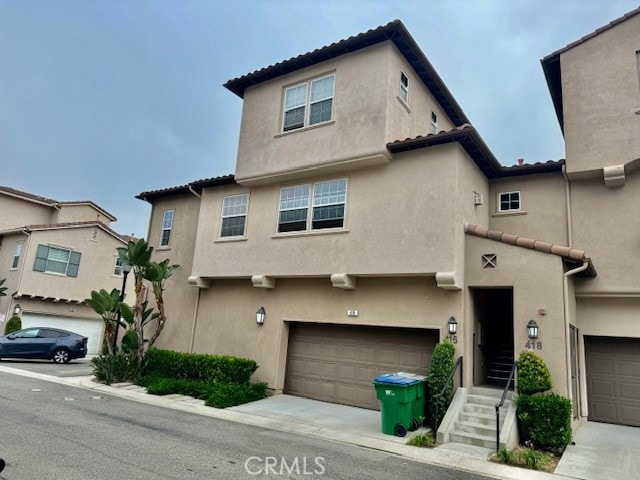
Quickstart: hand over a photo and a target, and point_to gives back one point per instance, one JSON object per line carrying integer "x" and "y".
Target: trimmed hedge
{"x": 441, "y": 366}
{"x": 13, "y": 325}
{"x": 229, "y": 395}
{"x": 197, "y": 366}
{"x": 533, "y": 374}
{"x": 545, "y": 421}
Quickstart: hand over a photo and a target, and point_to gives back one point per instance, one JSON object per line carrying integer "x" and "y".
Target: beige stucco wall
{"x": 403, "y": 218}
{"x": 605, "y": 225}
{"x": 601, "y": 97}
{"x": 17, "y": 212}
{"x": 179, "y": 297}
{"x": 543, "y": 214}
{"x": 226, "y": 319}
{"x": 80, "y": 213}
{"x": 537, "y": 281}
{"x": 609, "y": 317}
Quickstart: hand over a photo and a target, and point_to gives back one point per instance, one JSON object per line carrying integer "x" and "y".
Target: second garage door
{"x": 613, "y": 379}
{"x": 337, "y": 363}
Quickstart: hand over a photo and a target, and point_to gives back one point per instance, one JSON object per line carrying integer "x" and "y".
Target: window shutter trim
{"x": 74, "y": 264}
{"x": 41, "y": 258}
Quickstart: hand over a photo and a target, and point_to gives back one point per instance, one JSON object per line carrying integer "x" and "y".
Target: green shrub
{"x": 130, "y": 341}
{"x": 533, "y": 374}
{"x": 231, "y": 394}
{"x": 13, "y": 325}
{"x": 545, "y": 421}
{"x": 192, "y": 388}
{"x": 115, "y": 368}
{"x": 526, "y": 457}
{"x": 424, "y": 440}
{"x": 440, "y": 369}
{"x": 197, "y": 366}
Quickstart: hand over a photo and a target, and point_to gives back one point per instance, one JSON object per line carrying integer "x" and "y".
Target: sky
{"x": 103, "y": 99}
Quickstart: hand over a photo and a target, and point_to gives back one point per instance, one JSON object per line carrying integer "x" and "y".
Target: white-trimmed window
{"x": 57, "y": 260}
{"x": 434, "y": 122}
{"x": 17, "y": 251}
{"x": 304, "y": 207}
{"x": 167, "y": 225}
{"x": 509, "y": 201}
{"x": 404, "y": 87}
{"x": 309, "y": 103}
{"x": 117, "y": 267}
{"x": 234, "y": 215}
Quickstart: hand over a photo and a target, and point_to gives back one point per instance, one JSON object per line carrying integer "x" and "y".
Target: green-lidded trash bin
{"x": 401, "y": 398}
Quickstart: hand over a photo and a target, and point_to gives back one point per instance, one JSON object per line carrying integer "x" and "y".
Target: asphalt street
{"x": 60, "y": 432}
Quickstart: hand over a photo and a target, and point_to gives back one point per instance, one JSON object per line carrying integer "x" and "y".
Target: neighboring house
{"x": 52, "y": 255}
{"x": 366, "y": 214}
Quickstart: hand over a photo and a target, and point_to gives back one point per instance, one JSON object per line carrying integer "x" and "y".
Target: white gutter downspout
{"x": 194, "y": 192}
{"x": 567, "y": 332}
{"x": 195, "y": 320}
{"x": 567, "y": 191}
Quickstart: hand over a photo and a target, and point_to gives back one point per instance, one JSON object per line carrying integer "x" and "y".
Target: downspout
{"x": 567, "y": 329}
{"x": 195, "y": 320}
{"x": 567, "y": 190}
{"x": 194, "y": 192}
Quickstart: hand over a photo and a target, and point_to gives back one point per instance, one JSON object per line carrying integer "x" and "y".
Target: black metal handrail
{"x": 502, "y": 399}
{"x": 434, "y": 398}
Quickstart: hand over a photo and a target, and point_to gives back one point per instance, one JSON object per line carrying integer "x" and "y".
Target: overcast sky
{"x": 101, "y": 100}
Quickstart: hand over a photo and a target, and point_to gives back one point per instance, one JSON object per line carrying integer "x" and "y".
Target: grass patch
{"x": 526, "y": 458}
{"x": 424, "y": 440}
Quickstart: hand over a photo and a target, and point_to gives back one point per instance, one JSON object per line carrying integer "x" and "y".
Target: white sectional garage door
{"x": 337, "y": 363}
{"x": 613, "y": 379}
{"x": 90, "y": 328}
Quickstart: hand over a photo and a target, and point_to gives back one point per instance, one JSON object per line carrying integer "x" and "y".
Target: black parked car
{"x": 46, "y": 343}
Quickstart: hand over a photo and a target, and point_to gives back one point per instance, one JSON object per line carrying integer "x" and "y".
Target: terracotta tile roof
{"x": 470, "y": 140}
{"x": 394, "y": 31}
{"x": 568, "y": 253}
{"x": 551, "y": 63}
{"x": 196, "y": 185}
{"x": 61, "y": 226}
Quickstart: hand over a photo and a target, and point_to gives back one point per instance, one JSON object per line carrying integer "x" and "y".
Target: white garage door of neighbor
{"x": 90, "y": 328}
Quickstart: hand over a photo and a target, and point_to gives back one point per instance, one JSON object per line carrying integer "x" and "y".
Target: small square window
{"x": 489, "y": 260}
{"x": 509, "y": 202}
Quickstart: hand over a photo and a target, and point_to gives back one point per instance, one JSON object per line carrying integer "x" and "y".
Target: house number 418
{"x": 532, "y": 345}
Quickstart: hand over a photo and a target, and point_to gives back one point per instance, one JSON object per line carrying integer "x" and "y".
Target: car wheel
{"x": 61, "y": 355}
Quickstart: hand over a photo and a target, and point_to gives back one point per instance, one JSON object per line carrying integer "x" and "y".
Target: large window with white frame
{"x": 317, "y": 207}
{"x": 309, "y": 103}
{"x": 509, "y": 201}
{"x": 17, "y": 251}
{"x": 234, "y": 215}
{"x": 167, "y": 225}
{"x": 404, "y": 87}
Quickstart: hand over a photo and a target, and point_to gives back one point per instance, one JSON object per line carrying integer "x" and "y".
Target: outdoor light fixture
{"x": 260, "y": 314}
{"x": 532, "y": 329}
{"x": 17, "y": 309}
{"x": 452, "y": 326}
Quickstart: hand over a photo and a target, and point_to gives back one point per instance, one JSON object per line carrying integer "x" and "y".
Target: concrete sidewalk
{"x": 339, "y": 423}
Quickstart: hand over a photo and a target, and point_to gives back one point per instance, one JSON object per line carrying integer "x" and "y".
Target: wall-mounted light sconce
{"x": 260, "y": 314}
{"x": 452, "y": 326}
{"x": 17, "y": 309}
{"x": 532, "y": 329}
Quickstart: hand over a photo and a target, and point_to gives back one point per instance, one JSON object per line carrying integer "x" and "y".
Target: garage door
{"x": 336, "y": 363}
{"x": 613, "y": 379}
{"x": 90, "y": 328}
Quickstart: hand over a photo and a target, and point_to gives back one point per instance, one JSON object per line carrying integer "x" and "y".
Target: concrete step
{"x": 473, "y": 439}
{"x": 484, "y": 419}
{"x": 482, "y": 400}
{"x": 477, "y": 428}
{"x": 491, "y": 392}
{"x": 485, "y": 409}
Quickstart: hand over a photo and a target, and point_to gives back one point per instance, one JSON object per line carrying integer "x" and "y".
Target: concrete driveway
{"x": 602, "y": 451}
{"x": 75, "y": 368}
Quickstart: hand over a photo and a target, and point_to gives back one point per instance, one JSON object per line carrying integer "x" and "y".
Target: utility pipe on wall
{"x": 567, "y": 191}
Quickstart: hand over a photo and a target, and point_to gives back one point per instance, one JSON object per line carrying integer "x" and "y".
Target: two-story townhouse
{"x": 595, "y": 87}
{"x": 52, "y": 255}
{"x": 364, "y": 222}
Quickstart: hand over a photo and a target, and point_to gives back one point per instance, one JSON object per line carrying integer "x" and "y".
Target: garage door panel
{"x": 362, "y": 354}
{"x": 613, "y": 379}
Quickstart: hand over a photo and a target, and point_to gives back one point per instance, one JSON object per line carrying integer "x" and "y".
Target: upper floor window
{"x": 234, "y": 215}
{"x": 324, "y": 205}
{"x": 434, "y": 122}
{"x": 17, "y": 251}
{"x": 57, "y": 260}
{"x": 404, "y": 87}
{"x": 308, "y": 104}
{"x": 117, "y": 267}
{"x": 167, "y": 225}
{"x": 509, "y": 201}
